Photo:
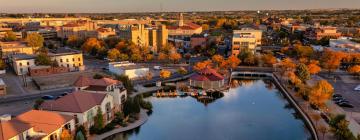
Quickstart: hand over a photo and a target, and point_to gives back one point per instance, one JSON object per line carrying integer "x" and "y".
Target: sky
{"x": 118, "y": 6}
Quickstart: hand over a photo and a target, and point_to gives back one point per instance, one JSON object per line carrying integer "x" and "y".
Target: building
{"x": 15, "y": 47}
{"x": 66, "y": 57}
{"x": 22, "y": 62}
{"x": 36, "y": 124}
{"x": 129, "y": 69}
{"x": 344, "y": 44}
{"x": 245, "y": 39}
{"x": 137, "y": 33}
{"x": 320, "y": 32}
{"x": 105, "y": 86}
{"x": 83, "y": 106}
{"x": 184, "y": 29}
{"x": 2, "y": 87}
{"x": 158, "y": 37}
{"x": 14, "y": 129}
{"x": 105, "y": 32}
{"x": 198, "y": 40}
{"x": 46, "y": 33}
{"x": 81, "y": 29}
{"x": 207, "y": 78}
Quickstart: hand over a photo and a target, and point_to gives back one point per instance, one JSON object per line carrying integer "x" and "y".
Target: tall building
{"x": 81, "y": 29}
{"x": 245, "y": 39}
{"x": 154, "y": 38}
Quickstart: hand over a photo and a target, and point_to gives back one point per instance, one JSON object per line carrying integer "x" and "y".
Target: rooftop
{"x": 76, "y": 102}
{"x": 12, "y": 128}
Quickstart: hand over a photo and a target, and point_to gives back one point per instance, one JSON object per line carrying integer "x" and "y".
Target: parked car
{"x": 157, "y": 68}
{"x": 341, "y": 101}
{"x": 65, "y": 93}
{"x": 357, "y": 88}
{"x": 48, "y": 97}
{"x": 336, "y": 95}
{"x": 346, "y": 105}
{"x": 338, "y": 98}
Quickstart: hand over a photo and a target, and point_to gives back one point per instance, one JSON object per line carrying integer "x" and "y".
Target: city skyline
{"x": 114, "y": 6}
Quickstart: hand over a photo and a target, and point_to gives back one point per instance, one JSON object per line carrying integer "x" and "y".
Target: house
{"x": 104, "y": 86}
{"x": 36, "y": 124}
{"x": 83, "y": 106}
{"x": 129, "y": 69}
{"x": 14, "y": 129}
{"x": 184, "y": 29}
{"x": 64, "y": 57}
{"x": 320, "y": 32}
{"x": 15, "y": 47}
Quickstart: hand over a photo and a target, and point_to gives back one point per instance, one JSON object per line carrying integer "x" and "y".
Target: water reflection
{"x": 252, "y": 110}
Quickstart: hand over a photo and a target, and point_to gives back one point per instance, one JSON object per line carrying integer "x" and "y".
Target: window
{"x": 67, "y": 60}
{"x": 79, "y": 59}
{"x": 61, "y": 61}
{"x": 28, "y": 63}
{"x": 73, "y": 59}
{"x": 67, "y": 65}
{"x": 74, "y": 65}
{"x": 79, "y": 64}
{"x": 20, "y": 64}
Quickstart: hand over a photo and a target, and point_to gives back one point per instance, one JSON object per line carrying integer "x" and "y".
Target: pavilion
{"x": 207, "y": 78}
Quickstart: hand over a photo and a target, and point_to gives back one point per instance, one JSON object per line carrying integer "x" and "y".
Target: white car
{"x": 157, "y": 67}
{"x": 357, "y": 88}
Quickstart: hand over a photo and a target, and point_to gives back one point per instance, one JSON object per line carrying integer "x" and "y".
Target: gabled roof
{"x": 44, "y": 121}
{"x": 207, "y": 74}
{"x": 84, "y": 81}
{"x": 12, "y": 128}
{"x": 77, "y": 102}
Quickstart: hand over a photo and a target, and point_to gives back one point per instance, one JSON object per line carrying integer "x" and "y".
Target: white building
{"x": 344, "y": 44}
{"x": 22, "y": 62}
{"x": 129, "y": 69}
{"x": 245, "y": 39}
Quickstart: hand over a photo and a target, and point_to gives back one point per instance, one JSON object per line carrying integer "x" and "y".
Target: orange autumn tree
{"x": 217, "y": 59}
{"x": 314, "y": 67}
{"x": 175, "y": 57}
{"x": 287, "y": 65}
{"x": 201, "y": 65}
{"x": 355, "y": 70}
{"x": 233, "y": 61}
{"x": 330, "y": 60}
{"x": 165, "y": 74}
{"x": 65, "y": 135}
{"x": 90, "y": 44}
{"x": 268, "y": 59}
{"x": 321, "y": 93}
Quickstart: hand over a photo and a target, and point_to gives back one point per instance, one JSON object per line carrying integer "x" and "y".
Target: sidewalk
{"x": 142, "y": 119}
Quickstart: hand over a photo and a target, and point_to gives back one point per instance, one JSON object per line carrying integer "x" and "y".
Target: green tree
{"x": 99, "y": 120}
{"x": 43, "y": 59}
{"x": 35, "y": 41}
{"x": 339, "y": 126}
{"x": 38, "y": 103}
{"x": 302, "y": 72}
{"x": 113, "y": 54}
{"x": 123, "y": 57}
{"x": 126, "y": 82}
{"x": 128, "y": 106}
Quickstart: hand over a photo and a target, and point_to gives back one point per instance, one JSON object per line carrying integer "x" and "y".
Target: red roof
{"x": 187, "y": 26}
{"x": 207, "y": 74}
{"x": 77, "y": 102}
{"x": 84, "y": 81}
{"x": 12, "y": 128}
{"x": 44, "y": 121}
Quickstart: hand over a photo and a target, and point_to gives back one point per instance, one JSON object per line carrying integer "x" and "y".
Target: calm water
{"x": 254, "y": 110}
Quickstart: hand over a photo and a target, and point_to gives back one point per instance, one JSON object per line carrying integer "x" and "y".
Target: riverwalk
{"x": 142, "y": 119}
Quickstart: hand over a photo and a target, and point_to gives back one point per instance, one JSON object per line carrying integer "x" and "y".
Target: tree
{"x": 286, "y": 65}
{"x": 43, "y": 59}
{"x": 355, "y": 70}
{"x": 128, "y": 106}
{"x": 182, "y": 71}
{"x": 113, "y": 54}
{"x": 38, "y": 103}
{"x": 35, "y": 41}
{"x": 245, "y": 54}
{"x": 313, "y": 67}
{"x": 65, "y": 135}
{"x": 302, "y": 72}
{"x": 316, "y": 118}
{"x": 2, "y": 65}
{"x": 330, "y": 60}
{"x": 126, "y": 82}
{"x": 217, "y": 59}
{"x": 162, "y": 56}
{"x": 205, "y": 27}
{"x": 99, "y": 120}
{"x": 268, "y": 59}
{"x": 74, "y": 41}
{"x": 92, "y": 44}
{"x": 201, "y": 65}
{"x": 321, "y": 93}
{"x": 165, "y": 74}
{"x": 303, "y": 51}
{"x": 339, "y": 126}
{"x": 123, "y": 57}
{"x": 233, "y": 61}
{"x": 135, "y": 57}
{"x": 148, "y": 76}
{"x": 175, "y": 57}
{"x": 9, "y": 36}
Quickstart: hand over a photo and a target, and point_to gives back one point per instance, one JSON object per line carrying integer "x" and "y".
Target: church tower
{"x": 181, "y": 21}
